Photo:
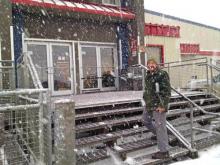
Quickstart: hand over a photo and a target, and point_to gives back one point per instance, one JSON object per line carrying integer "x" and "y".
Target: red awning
{"x": 78, "y": 7}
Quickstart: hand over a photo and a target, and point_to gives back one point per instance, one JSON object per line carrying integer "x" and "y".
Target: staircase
{"x": 110, "y": 128}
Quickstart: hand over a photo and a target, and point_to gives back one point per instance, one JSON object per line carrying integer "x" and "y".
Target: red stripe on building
{"x": 194, "y": 49}
{"x": 121, "y": 13}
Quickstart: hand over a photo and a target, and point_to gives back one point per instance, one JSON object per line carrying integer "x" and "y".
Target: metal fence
{"x": 7, "y": 75}
{"x": 214, "y": 69}
{"x": 43, "y": 123}
{"x": 184, "y": 75}
{"x": 24, "y": 128}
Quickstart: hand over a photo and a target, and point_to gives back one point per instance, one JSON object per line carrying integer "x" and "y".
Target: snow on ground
{"x": 209, "y": 156}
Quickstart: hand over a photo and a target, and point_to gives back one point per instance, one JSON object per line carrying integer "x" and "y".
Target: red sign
{"x": 133, "y": 46}
{"x": 162, "y": 30}
{"x": 189, "y": 48}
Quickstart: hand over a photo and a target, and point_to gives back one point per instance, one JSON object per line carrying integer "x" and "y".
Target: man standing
{"x": 156, "y": 96}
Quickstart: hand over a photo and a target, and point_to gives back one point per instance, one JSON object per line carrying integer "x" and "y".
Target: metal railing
{"x": 215, "y": 77}
{"x": 182, "y": 139}
{"x": 54, "y": 140}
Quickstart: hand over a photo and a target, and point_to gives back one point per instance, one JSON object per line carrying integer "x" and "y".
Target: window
{"x": 111, "y": 2}
{"x": 155, "y": 52}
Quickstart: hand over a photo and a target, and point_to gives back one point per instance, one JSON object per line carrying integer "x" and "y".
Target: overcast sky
{"x": 201, "y": 11}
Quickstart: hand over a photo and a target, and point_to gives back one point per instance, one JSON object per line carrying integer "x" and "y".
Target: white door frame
{"x": 98, "y": 56}
{"x": 64, "y": 92}
{"x": 115, "y": 67}
{"x": 49, "y": 44}
{"x": 81, "y": 69}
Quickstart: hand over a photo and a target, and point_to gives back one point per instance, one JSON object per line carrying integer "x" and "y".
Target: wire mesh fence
{"x": 183, "y": 75}
{"x": 7, "y": 75}
{"x": 189, "y": 75}
{"x": 24, "y": 128}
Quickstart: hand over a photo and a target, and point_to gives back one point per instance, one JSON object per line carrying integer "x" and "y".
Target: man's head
{"x": 152, "y": 65}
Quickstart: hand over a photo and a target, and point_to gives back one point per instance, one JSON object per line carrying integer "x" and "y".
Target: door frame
{"x": 97, "y": 46}
{"x": 64, "y": 92}
{"x": 48, "y": 44}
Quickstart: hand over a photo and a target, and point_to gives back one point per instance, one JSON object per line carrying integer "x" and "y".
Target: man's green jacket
{"x": 157, "y": 90}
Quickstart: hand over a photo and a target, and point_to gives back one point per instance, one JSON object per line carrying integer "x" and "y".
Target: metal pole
{"x": 211, "y": 72}
{"x": 48, "y": 133}
{"x": 143, "y": 79}
{"x": 41, "y": 127}
{"x": 168, "y": 69}
{"x": 207, "y": 73}
{"x": 191, "y": 126}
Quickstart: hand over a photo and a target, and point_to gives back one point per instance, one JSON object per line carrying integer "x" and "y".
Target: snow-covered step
{"x": 92, "y": 156}
{"x": 191, "y": 95}
{"x": 108, "y": 124}
{"x": 123, "y": 149}
{"x": 111, "y": 136}
{"x": 108, "y": 113}
{"x": 200, "y": 101}
{"x": 128, "y": 120}
{"x": 186, "y": 120}
{"x": 175, "y": 112}
{"x": 204, "y": 140}
{"x": 175, "y": 152}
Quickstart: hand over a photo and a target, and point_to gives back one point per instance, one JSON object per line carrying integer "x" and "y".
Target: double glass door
{"x": 98, "y": 67}
{"x": 53, "y": 62}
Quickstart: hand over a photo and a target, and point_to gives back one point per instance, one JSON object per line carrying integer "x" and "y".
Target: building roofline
{"x": 180, "y": 19}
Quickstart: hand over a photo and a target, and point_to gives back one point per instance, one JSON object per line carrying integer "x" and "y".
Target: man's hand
{"x": 160, "y": 109}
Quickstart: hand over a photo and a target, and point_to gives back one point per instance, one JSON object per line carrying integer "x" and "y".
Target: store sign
{"x": 162, "y": 30}
{"x": 189, "y": 48}
{"x": 133, "y": 46}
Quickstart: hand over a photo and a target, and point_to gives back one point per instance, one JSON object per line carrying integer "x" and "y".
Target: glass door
{"x": 39, "y": 55}
{"x": 53, "y": 62}
{"x": 98, "y": 68}
{"x": 89, "y": 68}
{"x": 108, "y": 69}
{"x": 61, "y": 64}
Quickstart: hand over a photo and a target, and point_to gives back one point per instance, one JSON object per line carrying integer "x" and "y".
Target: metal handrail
{"x": 184, "y": 61}
{"x": 194, "y": 104}
{"x": 169, "y": 126}
{"x": 22, "y": 91}
{"x": 174, "y": 131}
{"x": 214, "y": 66}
